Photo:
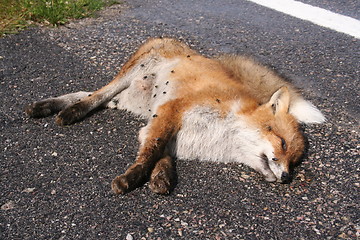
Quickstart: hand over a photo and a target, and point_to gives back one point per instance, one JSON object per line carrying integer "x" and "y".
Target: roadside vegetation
{"x": 19, "y": 14}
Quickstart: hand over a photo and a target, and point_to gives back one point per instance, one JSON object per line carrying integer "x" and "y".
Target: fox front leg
{"x": 139, "y": 172}
{"x": 150, "y": 162}
{"x": 161, "y": 181}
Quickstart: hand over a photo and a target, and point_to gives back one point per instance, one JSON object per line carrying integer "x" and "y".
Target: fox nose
{"x": 285, "y": 177}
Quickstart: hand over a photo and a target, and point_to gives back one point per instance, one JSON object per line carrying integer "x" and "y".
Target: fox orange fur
{"x": 229, "y": 109}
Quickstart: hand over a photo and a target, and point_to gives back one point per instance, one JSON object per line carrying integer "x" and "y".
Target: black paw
{"x": 43, "y": 108}
{"x": 160, "y": 185}
{"x": 71, "y": 114}
{"x": 134, "y": 177}
{"x": 120, "y": 185}
{"x": 161, "y": 182}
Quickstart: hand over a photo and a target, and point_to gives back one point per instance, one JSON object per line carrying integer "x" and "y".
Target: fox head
{"x": 282, "y": 130}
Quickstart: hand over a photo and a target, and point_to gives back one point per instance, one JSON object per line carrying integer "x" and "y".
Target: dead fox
{"x": 229, "y": 109}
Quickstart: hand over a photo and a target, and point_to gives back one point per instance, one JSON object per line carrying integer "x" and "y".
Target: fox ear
{"x": 280, "y": 101}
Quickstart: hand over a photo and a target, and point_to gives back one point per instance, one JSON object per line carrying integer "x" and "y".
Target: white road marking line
{"x": 319, "y": 16}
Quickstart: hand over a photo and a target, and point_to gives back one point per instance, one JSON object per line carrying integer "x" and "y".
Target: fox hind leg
{"x": 101, "y": 97}
{"x": 53, "y": 105}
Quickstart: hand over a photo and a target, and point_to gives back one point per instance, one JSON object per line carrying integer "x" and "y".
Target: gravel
{"x": 55, "y": 181}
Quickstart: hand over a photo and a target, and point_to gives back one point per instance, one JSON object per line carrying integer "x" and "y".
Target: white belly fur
{"x": 150, "y": 86}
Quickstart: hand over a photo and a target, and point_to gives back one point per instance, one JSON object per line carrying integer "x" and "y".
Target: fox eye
{"x": 283, "y": 144}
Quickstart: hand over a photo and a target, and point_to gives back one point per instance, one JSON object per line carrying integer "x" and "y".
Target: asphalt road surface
{"x": 55, "y": 181}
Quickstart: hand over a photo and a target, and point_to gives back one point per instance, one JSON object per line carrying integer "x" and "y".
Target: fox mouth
{"x": 273, "y": 171}
{"x": 265, "y": 161}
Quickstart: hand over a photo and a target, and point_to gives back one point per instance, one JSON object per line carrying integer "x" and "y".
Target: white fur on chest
{"x": 150, "y": 86}
{"x": 205, "y": 135}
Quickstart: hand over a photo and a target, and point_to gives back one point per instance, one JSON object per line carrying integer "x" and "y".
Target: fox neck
{"x": 206, "y": 135}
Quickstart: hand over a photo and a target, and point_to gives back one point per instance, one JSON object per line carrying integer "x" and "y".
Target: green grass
{"x": 18, "y": 14}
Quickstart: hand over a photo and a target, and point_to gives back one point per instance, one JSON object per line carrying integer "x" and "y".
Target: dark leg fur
{"x": 150, "y": 159}
{"x": 162, "y": 177}
{"x": 134, "y": 177}
{"x": 139, "y": 172}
